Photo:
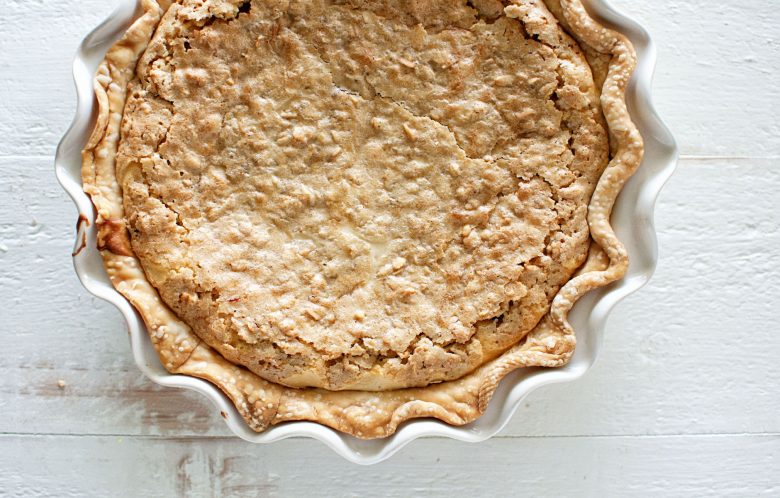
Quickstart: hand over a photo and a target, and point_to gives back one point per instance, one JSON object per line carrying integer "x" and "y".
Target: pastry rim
{"x": 362, "y": 414}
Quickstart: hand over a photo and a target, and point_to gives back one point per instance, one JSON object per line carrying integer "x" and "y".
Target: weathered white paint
{"x": 683, "y": 401}
{"x": 684, "y": 466}
{"x": 706, "y": 324}
{"x": 714, "y": 85}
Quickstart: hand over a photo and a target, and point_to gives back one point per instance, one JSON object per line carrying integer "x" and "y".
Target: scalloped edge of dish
{"x": 632, "y": 219}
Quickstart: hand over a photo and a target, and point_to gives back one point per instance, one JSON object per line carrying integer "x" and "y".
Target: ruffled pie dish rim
{"x": 361, "y": 413}
{"x": 632, "y": 220}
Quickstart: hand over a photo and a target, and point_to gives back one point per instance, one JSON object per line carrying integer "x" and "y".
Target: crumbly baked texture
{"x": 375, "y": 196}
{"x": 359, "y": 195}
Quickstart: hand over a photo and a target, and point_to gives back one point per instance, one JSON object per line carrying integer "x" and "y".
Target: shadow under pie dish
{"x": 358, "y": 213}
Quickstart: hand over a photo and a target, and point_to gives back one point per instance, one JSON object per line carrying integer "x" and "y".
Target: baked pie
{"x": 359, "y": 212}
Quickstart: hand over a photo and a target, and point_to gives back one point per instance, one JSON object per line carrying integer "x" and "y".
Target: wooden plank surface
{"x": 676, "y": 466}
{"x": 714, "y": 83}
{"x": 683, "y": 401}
{"x": 676, "y": 332}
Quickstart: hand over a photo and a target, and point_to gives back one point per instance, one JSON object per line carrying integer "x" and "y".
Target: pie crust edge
{"x": 360, "y": 413}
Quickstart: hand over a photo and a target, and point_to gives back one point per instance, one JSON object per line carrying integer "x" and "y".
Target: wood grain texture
{"x": 714, "y": 83}
{"x": 716, "y": 79}
{"x": 683, "y": 401}
{"x": 706, "y": 324}
{"x": 681, "y": 466}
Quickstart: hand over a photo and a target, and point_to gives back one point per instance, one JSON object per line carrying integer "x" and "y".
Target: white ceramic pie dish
{"x": 632, "y": 219}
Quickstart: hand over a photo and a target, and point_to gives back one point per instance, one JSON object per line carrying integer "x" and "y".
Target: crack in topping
{"x": 360, "y": 194}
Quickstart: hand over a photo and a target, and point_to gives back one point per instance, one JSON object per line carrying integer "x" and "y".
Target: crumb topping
{"x": 360, "y": 194}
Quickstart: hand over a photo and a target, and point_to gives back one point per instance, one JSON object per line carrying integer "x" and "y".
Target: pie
{"x": 358, "y": 212}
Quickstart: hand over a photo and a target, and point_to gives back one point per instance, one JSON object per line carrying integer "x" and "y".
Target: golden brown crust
{"x": 365, "y": 414}
{"x": 627, "y": 153}
{"x": 112, "y": 236}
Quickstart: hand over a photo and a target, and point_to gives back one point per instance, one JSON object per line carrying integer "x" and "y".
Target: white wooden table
{"x": 685, "y": 400}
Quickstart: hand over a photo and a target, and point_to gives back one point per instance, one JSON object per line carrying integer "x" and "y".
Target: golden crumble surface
{"x": 360, "y": 194}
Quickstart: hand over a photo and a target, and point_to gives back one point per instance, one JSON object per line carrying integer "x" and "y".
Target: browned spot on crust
{"x": 112, "y": 236}
{"x": 82, "y": 246}
{"x": 85, "y": 221}
{"x": 82, "y": 220}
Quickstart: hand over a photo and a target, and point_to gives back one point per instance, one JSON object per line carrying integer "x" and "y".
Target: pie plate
{"x": 632, "y": 219}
